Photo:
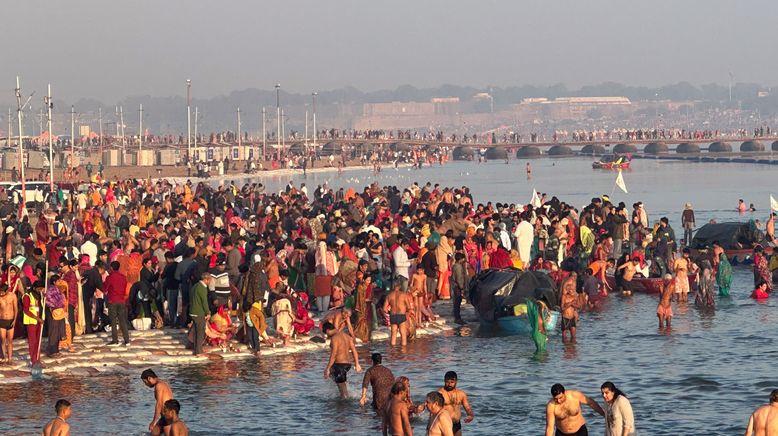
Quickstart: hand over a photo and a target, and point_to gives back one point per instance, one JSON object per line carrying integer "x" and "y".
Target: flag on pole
{"x": 620, "y": 183}
{"x": 773, "y": 203}
{"x": 535, "y": 200}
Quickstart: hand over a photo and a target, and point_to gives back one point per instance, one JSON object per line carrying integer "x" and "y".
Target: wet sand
{"x": 93, "y": 357}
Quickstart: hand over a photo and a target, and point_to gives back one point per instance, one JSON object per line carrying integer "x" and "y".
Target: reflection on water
{"x": 704, "y": 376}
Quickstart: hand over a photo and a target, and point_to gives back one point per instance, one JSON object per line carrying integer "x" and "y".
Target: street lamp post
{"x": 315, "y": 132}
{"x": 199, "y": 155}
{"x": 73, "y": 137}
{"x": 49, "y": 105}
{"x": 264, "y": 134}
{"x": 19, "y": 110}
{"x": 188, "y": 120}
{"x": 278, "y": 127}
{"x": 100, "y": 120}
{"x": 140, "y": 130}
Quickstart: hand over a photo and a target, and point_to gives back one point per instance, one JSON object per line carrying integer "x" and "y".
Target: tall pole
{"x": 19, "y": 110}
{"x": 240, "y": 143}
{"x": 100, "y": 121}
{"x": 264, "y": 134}
{"x": 189, "y": 120}
{"x": 121, "y": 120}
{"x": 306, "y": 130}
{"x": 283, "y": 130}
{"x": 49, "y": 105}
{"x": 315, "y": 132}
{"x": 140, "y": 133}
{"x": 195, "y": 133}
{"x": 116, "y": 113}
{"x": 10, "y": 129}
{"x": 278, "y": 116}
{"x": 72, "y": 136}
{"x": 240, "y": 148}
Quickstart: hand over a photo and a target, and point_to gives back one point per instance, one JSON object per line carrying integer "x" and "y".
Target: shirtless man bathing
{"x": 59, "y": 426}
{"x": 664, "y": 311}
{"x": 453, "y": 402}
{"x": 162, "y": 393}
{"x": 440, "y": 423}
{"x": 176, "y": 427}
{"x": 764, "y": 420}
{"x": 398, "y": 304}
{"x": 8, "y": 312}
{"x": 563, "y": 412}
{"x": 395, "y": 420}
{"x": 339, "y": 364}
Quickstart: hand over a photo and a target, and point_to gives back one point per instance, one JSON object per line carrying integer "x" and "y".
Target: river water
{"x": 703, "y": 377}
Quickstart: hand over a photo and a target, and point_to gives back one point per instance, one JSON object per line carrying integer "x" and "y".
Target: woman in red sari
{"x": 303, "y": 323}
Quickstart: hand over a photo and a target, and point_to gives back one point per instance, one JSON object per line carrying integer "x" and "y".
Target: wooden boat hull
{"x": 610, "y": 166}
{"x": 647, "y": 285}
{"x": 517, "y": 325}
{"x": 736, "y": 257}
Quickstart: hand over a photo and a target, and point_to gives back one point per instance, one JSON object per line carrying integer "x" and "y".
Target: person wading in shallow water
{"x": 59, "y": 426}
{"x": 170, "y": 413}
{"x": 439, "y": 423}
{"x": 764, "y": 420}
{"x": 454, "y": 401}
{"x": 162, "y": 393}
{"x": 338, "y": 366}
{"x": 563, "y": 412}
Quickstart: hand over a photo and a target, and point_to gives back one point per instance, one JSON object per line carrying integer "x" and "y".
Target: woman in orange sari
{"x": 271, "y": 268}
{"x": 67, "y": 341}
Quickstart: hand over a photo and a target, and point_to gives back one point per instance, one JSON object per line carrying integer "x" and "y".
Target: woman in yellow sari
{"x": 67, "y": 341}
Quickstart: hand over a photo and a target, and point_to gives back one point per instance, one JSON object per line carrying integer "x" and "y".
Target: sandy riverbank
{"x": 92, "y": 356}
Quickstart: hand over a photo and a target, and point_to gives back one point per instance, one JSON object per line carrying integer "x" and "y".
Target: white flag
{"x": 535, "y": 200}
{"x": 620, "y": 182}
{"x": 773, "y": 203}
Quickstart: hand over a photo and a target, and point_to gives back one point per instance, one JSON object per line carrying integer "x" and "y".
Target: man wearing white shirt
{"x": 401, "y": 264}
{"x": 525, "y": 234}
{"x": 505, "y": 237}
{"x": 90, "y": 248}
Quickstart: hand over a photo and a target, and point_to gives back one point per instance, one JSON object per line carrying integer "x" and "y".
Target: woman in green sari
{"x": 724, "y": 275}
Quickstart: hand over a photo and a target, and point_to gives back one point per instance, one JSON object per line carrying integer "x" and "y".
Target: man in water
{"x": 439, "y": 423}
{"x": 381, "y": 380}
{"x": 664, "y": 311}
{"x": 8, "y": 311}
{"x": 59, "y": 426}
{"x": 764, "y": 420}
{"x": 162, "y": 393}
{"x": 569, "y": 308}
{"x": 338, "y": 366}
{"x": 395, "y": 418}
{"x": 682, "y": 266}
{"x": 398, "y": 303}
{"x": 624, "y": 282}
{"x": 563, "y": 411}
{"x": 176, "y": 427}
{"x": 453, "y": 401}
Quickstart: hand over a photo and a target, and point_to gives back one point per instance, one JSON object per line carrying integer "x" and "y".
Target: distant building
{"x": 573, "y": 107}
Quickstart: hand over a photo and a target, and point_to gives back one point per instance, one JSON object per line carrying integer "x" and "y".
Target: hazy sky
{"x": 111, "y": 49}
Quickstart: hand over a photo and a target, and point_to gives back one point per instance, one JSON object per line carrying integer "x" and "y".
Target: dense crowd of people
{"x": 226, "y": 262}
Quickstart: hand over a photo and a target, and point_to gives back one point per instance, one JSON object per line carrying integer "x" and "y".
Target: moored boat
{"x": 500, "y": 296}
{"x": 738, "y": 240}
{"x": 612, "y": 162}
{"x": 520, "y": 324}
{"x": 646, "y": 285}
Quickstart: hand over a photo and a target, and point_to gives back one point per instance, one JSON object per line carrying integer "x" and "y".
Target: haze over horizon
{"x": 109, "y": 51}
